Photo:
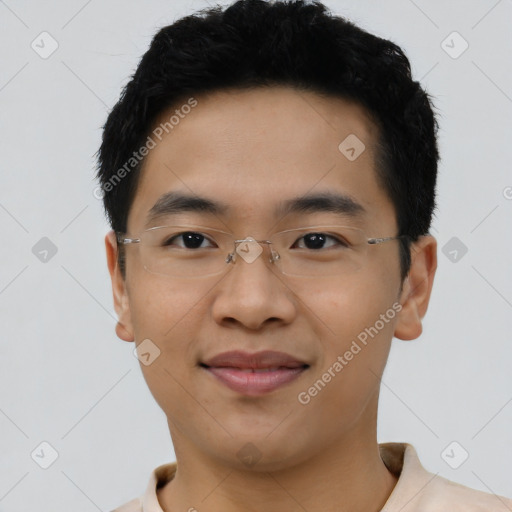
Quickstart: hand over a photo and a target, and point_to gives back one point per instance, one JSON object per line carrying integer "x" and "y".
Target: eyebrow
{"x": 173, "y": 203}
{"x": 340, "y": 204}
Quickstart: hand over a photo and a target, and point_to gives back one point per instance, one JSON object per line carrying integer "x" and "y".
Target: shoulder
{"x": 134, "y": 505}
{"x": 457, "y": 497}
{"x": 418, "y": 490}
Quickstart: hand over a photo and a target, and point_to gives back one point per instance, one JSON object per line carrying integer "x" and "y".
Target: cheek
{"x": 360, "y": 330}
{"x": 355, "y": 322}
{"x": 161, "y": 308}
{"x": 166, "y": 313}
{"x": 354, "y": 357}
{"x": 344, "y": 307}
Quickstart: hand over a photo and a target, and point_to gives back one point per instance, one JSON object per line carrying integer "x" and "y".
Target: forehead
{"x": 253, "y": 149}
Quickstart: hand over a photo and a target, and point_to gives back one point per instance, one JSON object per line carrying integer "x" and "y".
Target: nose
{"x": 253, "y": 293}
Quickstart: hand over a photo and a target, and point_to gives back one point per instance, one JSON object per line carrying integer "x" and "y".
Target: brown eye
{"x": 317, "y": 241}
{"x": 190, "y": 240}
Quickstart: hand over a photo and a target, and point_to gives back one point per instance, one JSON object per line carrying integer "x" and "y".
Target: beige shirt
{"x": 417, "y": 490}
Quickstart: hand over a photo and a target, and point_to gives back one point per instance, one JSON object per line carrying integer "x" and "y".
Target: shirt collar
{"x": 159, "y": 477}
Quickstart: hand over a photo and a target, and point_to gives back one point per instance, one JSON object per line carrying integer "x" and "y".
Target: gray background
{"x": 65, "y": 377}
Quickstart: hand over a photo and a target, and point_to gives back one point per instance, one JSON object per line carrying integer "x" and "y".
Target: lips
{"x": 259, "y": 360}
{"x": 254, "y": 374}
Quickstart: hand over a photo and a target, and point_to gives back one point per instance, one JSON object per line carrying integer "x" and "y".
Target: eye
{"x": 317, "y": 241}
{"x": 190, "y": 240}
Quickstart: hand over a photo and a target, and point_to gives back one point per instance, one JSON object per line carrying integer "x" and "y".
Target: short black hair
{"x": 258, "y": 43}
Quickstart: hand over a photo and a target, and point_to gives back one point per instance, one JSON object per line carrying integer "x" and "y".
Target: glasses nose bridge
{"x": 249, "y": 249}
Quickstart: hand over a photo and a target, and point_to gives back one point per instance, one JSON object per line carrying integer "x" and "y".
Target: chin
{"x": 260, "y": 453}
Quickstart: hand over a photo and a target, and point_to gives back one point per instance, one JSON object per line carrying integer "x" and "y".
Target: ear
{"x": 417, "y": 287}
{"x": 124, "y": 328}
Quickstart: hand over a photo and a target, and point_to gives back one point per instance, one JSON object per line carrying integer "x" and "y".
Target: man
{"x": 269, "y": 174}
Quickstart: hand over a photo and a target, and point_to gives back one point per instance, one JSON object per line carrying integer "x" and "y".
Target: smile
{"x": 255, "y": 381}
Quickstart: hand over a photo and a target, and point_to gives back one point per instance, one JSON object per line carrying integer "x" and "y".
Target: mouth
{"x": 254, "y": 374}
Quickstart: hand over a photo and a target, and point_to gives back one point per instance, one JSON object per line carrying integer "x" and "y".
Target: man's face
{"x": 252, "y": 151}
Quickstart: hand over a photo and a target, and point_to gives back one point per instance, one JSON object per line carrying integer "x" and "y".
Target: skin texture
{"x": 252, "y": 149}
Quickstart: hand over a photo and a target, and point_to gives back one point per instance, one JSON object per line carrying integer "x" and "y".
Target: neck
{"x": 348, "y": 475}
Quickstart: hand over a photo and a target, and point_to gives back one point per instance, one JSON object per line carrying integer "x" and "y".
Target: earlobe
{"x": 124, "y": 329}
{"x": 417, "y": 288}
{"x": 123, "y": 333}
